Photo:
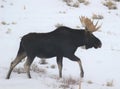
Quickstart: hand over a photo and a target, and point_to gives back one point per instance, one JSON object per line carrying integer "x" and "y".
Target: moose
{"x": 62, "y": 42}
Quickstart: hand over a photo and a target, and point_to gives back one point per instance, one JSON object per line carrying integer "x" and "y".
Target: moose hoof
{"x": 82, "y": 75}
{"x": 7, "y": 77}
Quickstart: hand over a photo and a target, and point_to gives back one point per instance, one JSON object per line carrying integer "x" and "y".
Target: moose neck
{"x": 80, "y": 37}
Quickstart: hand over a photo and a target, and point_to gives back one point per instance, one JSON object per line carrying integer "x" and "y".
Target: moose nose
{"x": 100, "y": 45}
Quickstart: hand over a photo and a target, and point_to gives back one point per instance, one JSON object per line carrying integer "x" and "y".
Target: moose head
{"x": 91, "y": 40}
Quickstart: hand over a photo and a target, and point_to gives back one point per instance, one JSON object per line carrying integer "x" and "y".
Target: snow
{"x": 101, "y": 66}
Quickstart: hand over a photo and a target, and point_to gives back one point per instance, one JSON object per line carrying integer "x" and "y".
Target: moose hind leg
{"x": 59, "y": 62}
{"x": 15, "y": 62}
{"x": 27, "y": 65}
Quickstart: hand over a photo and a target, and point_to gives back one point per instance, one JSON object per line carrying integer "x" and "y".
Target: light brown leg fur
{"x": 14, "y": 63}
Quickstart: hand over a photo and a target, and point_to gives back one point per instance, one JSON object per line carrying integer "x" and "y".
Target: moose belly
{"x": 46, "y": 53}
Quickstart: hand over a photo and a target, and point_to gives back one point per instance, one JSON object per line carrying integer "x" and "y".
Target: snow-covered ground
{"x": 101, "y": 66}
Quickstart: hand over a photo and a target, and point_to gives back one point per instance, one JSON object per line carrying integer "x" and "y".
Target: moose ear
{"x": 88, "y": 24}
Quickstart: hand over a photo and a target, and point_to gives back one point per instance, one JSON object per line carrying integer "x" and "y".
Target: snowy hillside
{"x": 101, "y": 66}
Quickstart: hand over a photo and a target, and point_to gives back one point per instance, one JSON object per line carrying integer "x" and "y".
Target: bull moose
{"x": 59, "y": 43}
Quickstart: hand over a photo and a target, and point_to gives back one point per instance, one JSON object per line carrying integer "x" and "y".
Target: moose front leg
{"x": 81, "y": 68}
{"x": 59, "y": 62}
{"x": 75, "y": 58}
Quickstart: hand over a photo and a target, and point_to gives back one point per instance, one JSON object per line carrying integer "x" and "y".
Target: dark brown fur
{"x": 59, "y": 43}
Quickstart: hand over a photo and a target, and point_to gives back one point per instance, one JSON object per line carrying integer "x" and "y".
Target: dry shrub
{"x": 110, "y": 83}
{"x": 78, "y": 26}
{"x": 72, "y": 3}
{"x": 19, "y": 70}
{"x": 11, "y": 4}
{"x": 95, "y": 16}
{"x": 14, "y": 23}
{"x": 81, "y": 1}
{"x": 24, "y": 7}
{"x": 58, "y": 25}
{"x": 85, "y": 2}
{"x": 4, "y": 23}
{"x": 117, "y": 0}
{"x": 2, "y": 6}
{"x": 68, "y": 1}
{"x": 36, "y": 69}
{"x": 62, "y": 12}
{"x": 8, "y": 31}
{"x": 67, "y": 82}
{"x": 43, "y": 61}
{"x": 110, "y": 4}
{"x": 89, "y": 82}
{"x": 53, "y": 66}
{"x": 76, "y": 3}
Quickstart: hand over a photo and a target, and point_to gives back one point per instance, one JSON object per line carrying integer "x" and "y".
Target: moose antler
{"x": 88, "y": 24}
